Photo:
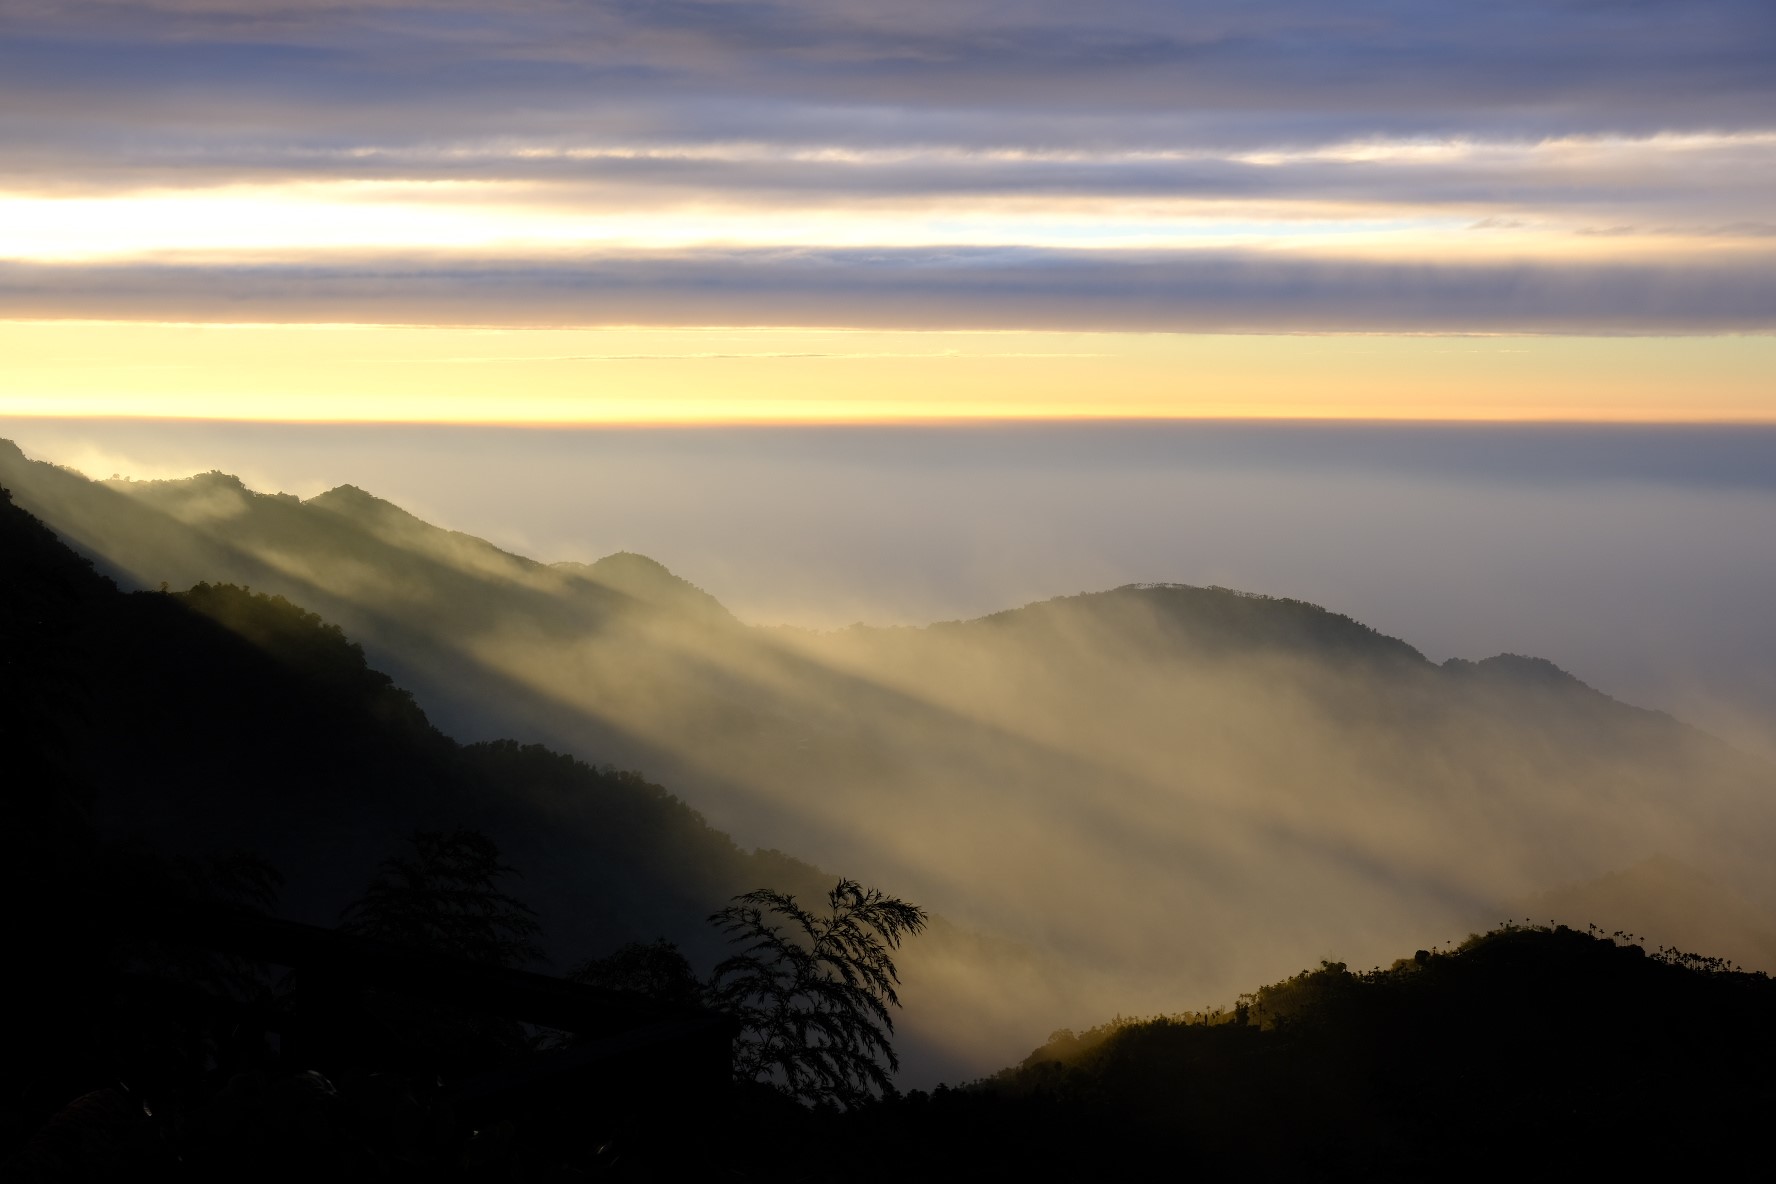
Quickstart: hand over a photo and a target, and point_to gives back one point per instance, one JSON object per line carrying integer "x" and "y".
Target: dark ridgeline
{"x": 220, "y": 719}
{"x": 1528, "y": 1052}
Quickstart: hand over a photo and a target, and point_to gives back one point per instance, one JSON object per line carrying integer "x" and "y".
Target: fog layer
{"x": 1145, "y": 798}
{"x": 1642, "y": 559}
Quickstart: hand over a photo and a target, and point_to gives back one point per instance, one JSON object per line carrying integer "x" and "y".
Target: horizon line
{"x": 891, "y": 421}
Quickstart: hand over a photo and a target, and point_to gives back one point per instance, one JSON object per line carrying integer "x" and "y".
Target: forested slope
{"x": 220, "y": 719}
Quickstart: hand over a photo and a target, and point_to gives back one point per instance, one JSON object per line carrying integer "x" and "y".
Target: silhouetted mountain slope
{"x": 430, "y": 603}
{"x": 49, "y": 868}
{"x": 219, "y": 719}
{"x": 1154, "y": 788}
{"x": 1665, "y": 903}
{"x": 43, "y": 601}
{"x": 1525, "y": 1051}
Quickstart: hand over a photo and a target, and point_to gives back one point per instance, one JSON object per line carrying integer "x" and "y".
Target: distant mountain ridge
{"x": 139, "y": 545}
{"x": 1167, "y": 788}
{"x": 1215, "y": 618}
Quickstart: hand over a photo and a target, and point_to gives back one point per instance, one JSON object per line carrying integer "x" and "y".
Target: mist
{"x": 1132, "y": 801}
{"x": 1640, "y": 558}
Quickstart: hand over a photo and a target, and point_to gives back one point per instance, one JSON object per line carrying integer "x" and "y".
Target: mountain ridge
{"x": 1313, "y": 621}
{"x": 170, "y": 696}
{"x": 1291, "y": 622}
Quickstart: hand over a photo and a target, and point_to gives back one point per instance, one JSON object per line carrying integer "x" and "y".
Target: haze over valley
{"x": 1132, "y": 797}
{"x": 1639, "y": 557}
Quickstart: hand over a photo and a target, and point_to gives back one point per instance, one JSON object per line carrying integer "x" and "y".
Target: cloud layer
{"x": 977, "y": 74}
{"x": 1478, "y": 148}
{"x": 918, "y": 289}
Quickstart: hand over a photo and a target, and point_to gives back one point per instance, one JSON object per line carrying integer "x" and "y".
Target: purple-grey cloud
{"x": 720, "y": 96}
{"x": 980, "y": 288}
{"x": 1149, "y": 72}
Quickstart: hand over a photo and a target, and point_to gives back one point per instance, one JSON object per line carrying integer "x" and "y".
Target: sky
{"x": 632, "y": 211}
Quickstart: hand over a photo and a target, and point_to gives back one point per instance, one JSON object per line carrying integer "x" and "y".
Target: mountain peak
{"x": 634, "y": 565}
{"x": 216, "y": 478}
{"x": 1519, "y": 669}
{"x": 1217, "y": 619}
{"x": 647, "y": 580}
{"x": 347, "y": 497}
{"x": 352, "y": 502}
{"x": 1525, "y": 667}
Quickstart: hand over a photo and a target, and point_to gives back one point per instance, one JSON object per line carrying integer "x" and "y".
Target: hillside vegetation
{"x": 1523, "y": 1050}
{"x": 221, "y": 719}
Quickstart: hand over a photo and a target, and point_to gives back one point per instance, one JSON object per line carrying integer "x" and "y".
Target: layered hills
{"x": 218, "y": 721}
{"x": 1160, "y": 792}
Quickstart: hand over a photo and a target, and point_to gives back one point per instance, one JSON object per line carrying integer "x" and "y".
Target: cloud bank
{"x": 1559, "y": 167}
{"x": 975, "y": 74}
{"x": 920, "y": 289}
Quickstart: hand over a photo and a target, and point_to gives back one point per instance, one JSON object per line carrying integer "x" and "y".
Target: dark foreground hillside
{"x": 1523, "y": 1052}
{"x": 197, "y": 788}
{"x": 218, "y": 720}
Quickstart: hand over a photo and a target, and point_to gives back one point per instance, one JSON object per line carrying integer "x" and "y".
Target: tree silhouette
{"x": 445, "y": 896}
{"x": 813, "y": 993}
{"x": 655, "y": 969}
